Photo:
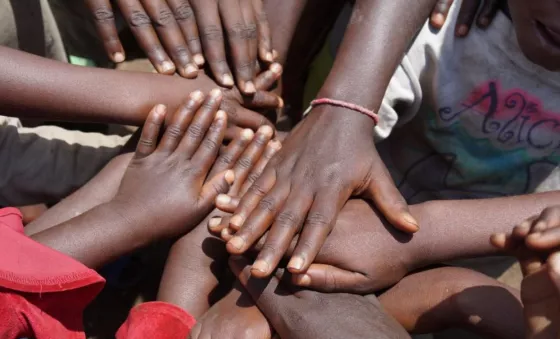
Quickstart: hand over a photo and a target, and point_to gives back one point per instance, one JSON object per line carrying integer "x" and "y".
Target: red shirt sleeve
{"x": 42, "y": 292}
{"x": 156, "y": 320}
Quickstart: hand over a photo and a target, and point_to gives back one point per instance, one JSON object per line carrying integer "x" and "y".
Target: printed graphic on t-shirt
{"x": 496, "y": 142}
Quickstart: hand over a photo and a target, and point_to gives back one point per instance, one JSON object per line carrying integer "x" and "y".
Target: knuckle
{"x": 288, "y": 220}
{"x": 174, "y": 131}
{"x": 257, "y": 190}
{"x": 251, "y": 32}
{"x": 196, "y": 131}
{"x": 270, "y": 248}
{"x": 181, "y": 51}
{"x": 245, "y": 162}
{"x": 164, "y": 18}
{"x": 245, "y": 66}
{"x": 268, "y": 205}
{"x": 212, "y": 33}
{"x": 226, "y": 160}
{"x": 251, "y": 178}
{"x": 210, "y": 144}
{"x": 146, "y": 142}
{"x": 139, "y": 19}
{"x": 184, "y": 11}
{"x": 317, "y": 219}
{"x": 237, "y": 31}
{"x": 103, "y": 14}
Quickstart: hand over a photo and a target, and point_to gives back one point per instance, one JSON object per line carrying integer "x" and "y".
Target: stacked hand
{"x": 467, "y": 14}
{"x": 181, "y": 35}
{"x": 535, "y": 243}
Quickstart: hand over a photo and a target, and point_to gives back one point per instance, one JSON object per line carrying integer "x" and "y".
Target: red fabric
{"x": 156, "y": 320}
{"x": 42, "y": 292}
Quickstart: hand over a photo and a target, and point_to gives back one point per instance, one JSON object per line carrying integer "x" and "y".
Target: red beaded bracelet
{"x": 344, "y": 104}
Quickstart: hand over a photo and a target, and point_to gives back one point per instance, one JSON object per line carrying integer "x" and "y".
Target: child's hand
{"x": 174, "y": 35}
{"x": 306, "y": 314}
{"x": 465, "y": 19}
{"x": 166, "y": 187}
{"x": 535, "y": 243}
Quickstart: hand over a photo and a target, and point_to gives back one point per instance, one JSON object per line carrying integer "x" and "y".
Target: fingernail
{"x": 167, "y": 66}
{"x": 247, "y": 134}
{"x": 237, "y": 242}
{"x": 223, "y": 199}
{"x": 227, "y": 80}
{"x": 225, "y": 234}
{"x": 276, "y": 68}
{"x": 266, "y": 131}
{"x": 230, "y": 177}
{"x": 302, "y": 280}
{"x": 221, "y": 115}
{"x": 498, "y": 237}
{"x": 462, "y": 30}
{"x": 261, "y": 266}
{"x": 280, "y": 102}
{"x": 268, "y": 57}
{"x": 483, "y": 22}
{"x": 236, "y": 221}
{"x": 410, "y": 219}
{"x": 198, "y": 59}
{"x": 197, "y": 95}
{"x": 215, "y": 93}
{"x": 250, "y": 87}
{"x": 275, "y": 144}
{"x": 191, "y": 69}
{"x": 214, "y": 222}
{"x": 118, "y": 57}
{"x": 296, "y": 263}
{"x": 438, "y": 19}
{"x": 554, "y": 261}
{"x": 534, "y": 236}
{"x": 274, "y": 54}
{"x": 160, "y": 109}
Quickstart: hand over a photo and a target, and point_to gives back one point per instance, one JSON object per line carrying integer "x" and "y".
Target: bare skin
{"x": 182, "y": 160}
{"x": 451, "y": 297}
{"x": 306, "y": 314}
{"x": 35, "y": 87}
{"x": 535, "y": 243}
{"x": 467, "y": 15}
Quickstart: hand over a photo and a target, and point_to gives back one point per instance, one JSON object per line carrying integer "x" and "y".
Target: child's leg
{"x": 453, "y": 297}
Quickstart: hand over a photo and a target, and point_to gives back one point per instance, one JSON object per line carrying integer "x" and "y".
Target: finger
{"x": 272, "y": 148}
{"x": 217, "y": 223}
{"x": 439, "y": 14}
{"x": 288, "y": 222}
{"x": 265, "y": 35}
{"x": 266, "y": 79}
{"x": 232, "y": 152}
{"x": 210, "y": 30}
{"x": 210, "y": 146}
{"x": 268, "y": 294}
{"x": 171, "y": 36}
{"x": 217, "y": 185}
{"x": 227, "y": 203}
{"x": 242, "y": 117}
{"x": 258, "y": 221}
{"x": 150, "y": 132}
{"x": 521, "y": 231}
{"x": 554, "y": 270}
{"x": 546, "y": 240}
{"x": 186, "y": 20}
{"x": 327, "y": 278}
{"x": 250, "y": 156}
{"x": 250, "y": 200}
{"x": 387, "y": 198}
{"x": 238, "y": 41}
{"x": 488, "y": 13}
{"x": 200, "y": 124}
{"x": 505, "y": 242}
{"x": 179, "y": 122}
{"x": 466, "y": 17}
{"x": 319, "y": 223}
{"x": 252, "y": 33}
{"x": 141, "y": 26}
{"x": 233, "y": 131}
{"x": 104, "y": 20}
{"x": 263, "y": 100}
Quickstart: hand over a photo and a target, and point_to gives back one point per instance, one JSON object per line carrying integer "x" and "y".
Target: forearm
{"x": 94, "y": 238}
{"x": 190, "y": 272}
{"x": 283, "y": 17}
{"x": 375, "y": 41}
{"x": 462, "y": 228}
{"x": 34, "y": 87}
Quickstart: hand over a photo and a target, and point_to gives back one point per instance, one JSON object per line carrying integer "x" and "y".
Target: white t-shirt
{"x": 470, "y": 117}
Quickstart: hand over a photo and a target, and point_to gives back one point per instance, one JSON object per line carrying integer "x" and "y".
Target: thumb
{"x": 381, "y": 190}
{"x": 220, "y": 183}
{"x": 331, "y": 279}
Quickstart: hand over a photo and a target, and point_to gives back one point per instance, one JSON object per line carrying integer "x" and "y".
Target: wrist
{"x": 342, "y": 119}
{"x": 136, "y": 226}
